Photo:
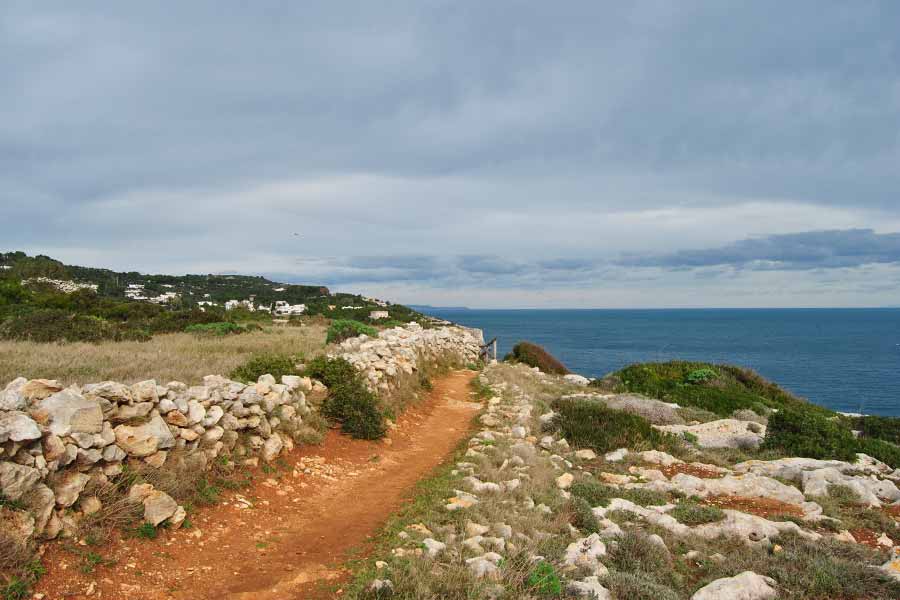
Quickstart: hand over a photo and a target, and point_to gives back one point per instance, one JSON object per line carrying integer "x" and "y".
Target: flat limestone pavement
{"x": 281, "y": 538}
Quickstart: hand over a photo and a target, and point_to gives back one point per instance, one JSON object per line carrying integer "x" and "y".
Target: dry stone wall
{"x": 56, "y": 441}
{"x": 383, "y": 360}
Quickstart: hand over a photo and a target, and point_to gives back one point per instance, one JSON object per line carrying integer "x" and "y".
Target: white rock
{"x": 616, "y": 455}
{"x": 586, "y": 454}
{"x": 68, "y": 412}
{"x": 564, "y": 481}
{"x": 589, "y": 587}
{"x": 18, "y": 427}
{"x": 158, "y": 506}
{"x": 433, "y": 547}
{"x": 746, "y": 586}
{"x": 585, "y": 553}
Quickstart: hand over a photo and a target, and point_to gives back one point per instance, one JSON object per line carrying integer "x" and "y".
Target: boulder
{"x": 17, "y": 480}
{"x": 589, "y": 587}
{"x": 38, "y": 389}
{"x": 746, "y": 586}
{"x": 40, "y": 502}
{"x": 145, "y": 439}
{"x": 69, "y": 487}
{"x": 585, "y": 553}
{"x": 18, "y": 427}
{"x": 158, "y": 506}
{"x": 272, "y": 448}
{"x": 11, "y": 397}
{"x": 145, "y": 391}
{"x": 576, "y": 379}
{"x": 109, "y": 390}
{"x": 68, "y": 412}
{"x": 723, "y": 433}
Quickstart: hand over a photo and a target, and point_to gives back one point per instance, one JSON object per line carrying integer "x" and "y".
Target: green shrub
{"x": 272, "y": 364}
{"x": 698, "y": 376}
{"x": 343, "y": 329}
{"x": 882, "y": 428}
{"x": 217, "y": 328}
{"x": 806, "y": 434}
{"x": 589, "y": 424}
{"x": 729, "y": 388}
{"x": 691, "y": 513}
{"x": 349, "y": 401}
{"x": 535, "y": 356}
{"x": 592, "y": 492}
{"x": 582, "y": 516}
{"x": 544, "y": 581}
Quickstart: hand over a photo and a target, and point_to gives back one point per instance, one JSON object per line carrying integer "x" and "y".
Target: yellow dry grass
{"x": 171, "y": 357}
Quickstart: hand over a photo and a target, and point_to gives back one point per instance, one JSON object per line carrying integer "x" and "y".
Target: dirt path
{"x": 282, "y": 537}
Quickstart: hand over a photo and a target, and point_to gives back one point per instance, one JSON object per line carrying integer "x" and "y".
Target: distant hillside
{"x": 41, "y": 292}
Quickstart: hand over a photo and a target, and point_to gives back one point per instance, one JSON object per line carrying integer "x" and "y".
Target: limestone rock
{"x": 40, "y": 502}
{"x": 746, "y": 586}
{"x": 723, "y": 433}
{"x": 589, "y": 587}
{"x": 272, "y": 448}
{"x": 565, "y": 481}
{"x": 18, "y": 427}
{"x": 576, "y": 379}
{"x": 69, "y": 486}
{"x": 158, "y": 506}
{"x": 11, "y": 397}
{"x": 68, "y": 412}
{"x": 38, "y": 389}
{"x": 145, "y": 439}
{"x": 585, "y": 553}
{"x": 17, "y": 480}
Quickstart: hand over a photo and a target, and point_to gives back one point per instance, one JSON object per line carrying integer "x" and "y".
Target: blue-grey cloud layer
{"x": 807, "y": 250}
{"x": 501, "y": 143}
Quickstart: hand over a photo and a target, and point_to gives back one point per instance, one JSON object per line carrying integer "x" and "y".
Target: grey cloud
{"x": 808, "y": 250}
{"x": 503, "y": 143}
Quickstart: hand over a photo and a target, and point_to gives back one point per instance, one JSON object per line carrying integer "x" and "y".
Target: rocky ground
{"x": 524, "y": 514}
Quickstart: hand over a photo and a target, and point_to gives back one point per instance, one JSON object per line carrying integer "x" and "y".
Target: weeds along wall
{"x": 57, "y": 444}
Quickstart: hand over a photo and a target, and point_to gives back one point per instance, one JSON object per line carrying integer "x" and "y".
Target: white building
{"x": 379, "y": 314}
{"x": 284, "y": 309}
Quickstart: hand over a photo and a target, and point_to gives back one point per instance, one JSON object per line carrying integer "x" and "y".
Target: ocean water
{"x": 845, "y": 359}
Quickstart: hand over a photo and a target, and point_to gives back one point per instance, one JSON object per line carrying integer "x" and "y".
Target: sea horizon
{"x": 847, "y": 359}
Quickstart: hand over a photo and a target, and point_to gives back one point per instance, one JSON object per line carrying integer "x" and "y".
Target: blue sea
{"x": 845, "y": 359}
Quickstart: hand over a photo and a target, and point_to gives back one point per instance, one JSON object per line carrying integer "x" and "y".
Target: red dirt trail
{"x": 301, "y": 522}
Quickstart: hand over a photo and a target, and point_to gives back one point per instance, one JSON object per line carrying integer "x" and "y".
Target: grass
{"x": 168, "y": 357}
{"x": 691, "y": 513}
{"x": 590, "y": 424}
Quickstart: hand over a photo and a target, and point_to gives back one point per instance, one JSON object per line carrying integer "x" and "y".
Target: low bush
{"x": 700, "y": 376}
{"x": 797, "y": 433}
{"x": 691, "y": 513}
{"x": 275, "y": 365}
{"x": 533, "y": 355}
{"x": 589, "y": 424}
{"x": 544, "y": 581}
{"x": 583, "y": 517}
{"x": 51, "y": 325}
{"x": 349, "y": 401}
{"x": 720, "y": 389}
{"x": 343, "y": 329}
{"x": 218, "y": 328}
{"x": 881, "y": 428}
{"x": 592, "y": 492}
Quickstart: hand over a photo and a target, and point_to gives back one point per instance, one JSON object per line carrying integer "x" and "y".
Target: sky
{"x": 485, "y": 154}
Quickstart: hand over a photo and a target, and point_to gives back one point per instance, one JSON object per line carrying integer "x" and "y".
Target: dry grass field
{"x": 171, "y": 357}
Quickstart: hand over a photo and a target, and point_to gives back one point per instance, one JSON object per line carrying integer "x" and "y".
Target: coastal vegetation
{"x": 342, "y": 329}
{"x": 349, "y": 403}
{"x": 531, "y": 354}
{"x": 44, "y": 300}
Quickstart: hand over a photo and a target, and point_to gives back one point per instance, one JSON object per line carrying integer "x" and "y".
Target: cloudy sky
{"x": 498, "y": 154}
